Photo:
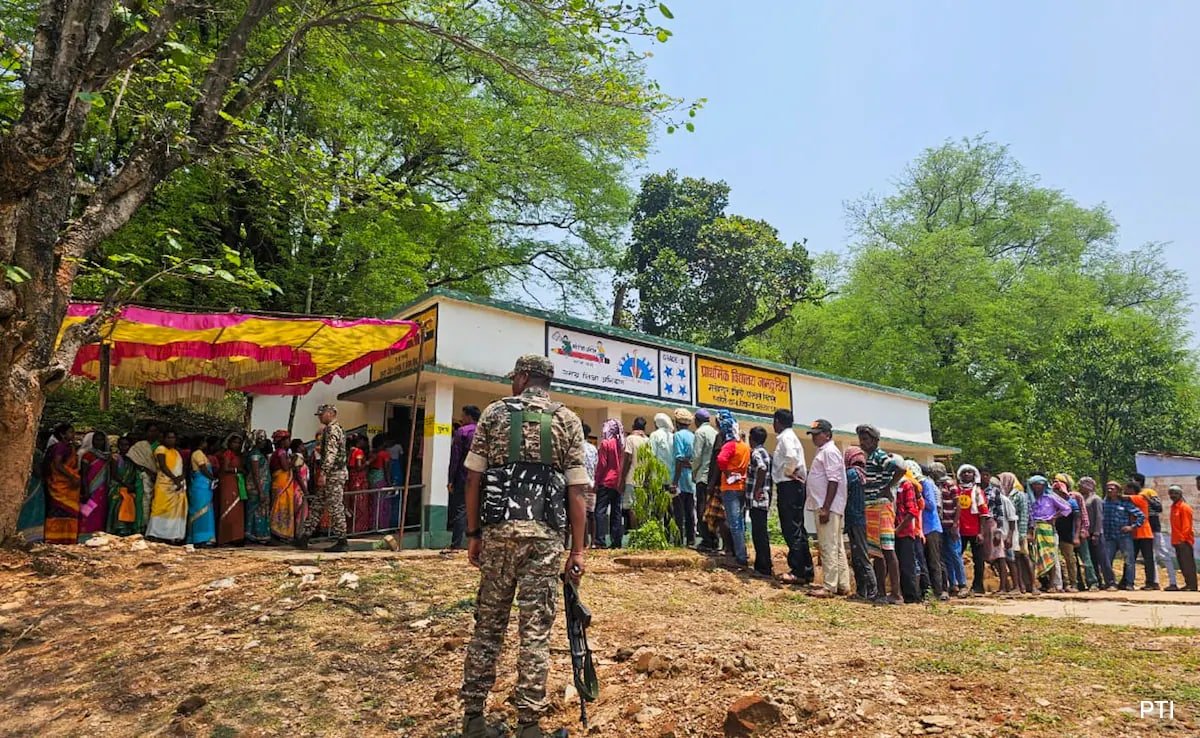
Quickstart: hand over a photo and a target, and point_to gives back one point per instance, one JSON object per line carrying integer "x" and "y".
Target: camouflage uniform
{"x": 521, "y": 557}
{"x": 332, "y": 458}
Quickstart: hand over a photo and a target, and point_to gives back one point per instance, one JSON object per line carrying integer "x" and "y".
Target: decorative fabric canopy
{"x": 194, "y": 357}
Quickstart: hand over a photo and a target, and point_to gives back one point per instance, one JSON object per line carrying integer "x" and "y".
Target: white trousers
{"x": 834, "y": 566}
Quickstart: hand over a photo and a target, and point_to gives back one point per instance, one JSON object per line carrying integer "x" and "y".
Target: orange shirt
{"x": 734, "y": 462}
{"x": 1181, "y": 524}
{"x": 1143, "y": 504}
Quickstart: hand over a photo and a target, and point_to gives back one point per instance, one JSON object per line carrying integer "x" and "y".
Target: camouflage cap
{"x": 532, "y": 364}
{"x": 326, "y": 408}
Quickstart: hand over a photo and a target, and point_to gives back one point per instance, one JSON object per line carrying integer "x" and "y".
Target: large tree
{"x": 962, "y": 282}
{"x": 189, "y": 81}
{"x": 704, "y": 275}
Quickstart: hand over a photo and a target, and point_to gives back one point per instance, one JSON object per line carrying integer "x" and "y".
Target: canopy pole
{"x": 105, "y": 375}
{"x": 412, "y": 437}
{"x": 307, "y": 310}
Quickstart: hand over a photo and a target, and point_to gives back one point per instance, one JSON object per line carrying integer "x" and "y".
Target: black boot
{"x": 339, "y": 547}
{"x": 474, "y": 726}
{"x": 534, "y": 730}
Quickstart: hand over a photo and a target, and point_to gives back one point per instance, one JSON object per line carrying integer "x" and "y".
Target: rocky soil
{"x": 129, "y": 638}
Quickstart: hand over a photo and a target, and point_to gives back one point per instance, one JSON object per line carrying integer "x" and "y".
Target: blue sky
{"x": 811, "y": 104}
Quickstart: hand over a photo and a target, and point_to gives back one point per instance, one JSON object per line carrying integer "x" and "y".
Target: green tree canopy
{"x": 974, "y": 283}
{"x": 706, "y": 276}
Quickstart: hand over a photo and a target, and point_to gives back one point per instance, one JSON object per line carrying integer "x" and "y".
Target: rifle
{"x": 579, "y": 617}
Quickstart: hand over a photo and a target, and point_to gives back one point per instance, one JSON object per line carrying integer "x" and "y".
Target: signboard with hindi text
{"x": 605, "y": 363}
{"x": 406, "y": 361}
{"x": 741, "y": 388}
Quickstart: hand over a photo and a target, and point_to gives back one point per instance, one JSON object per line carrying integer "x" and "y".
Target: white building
{"x": 601, "y": 372}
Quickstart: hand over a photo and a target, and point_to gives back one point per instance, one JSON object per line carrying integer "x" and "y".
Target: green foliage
{"x": 705, "y": 276}
{"x": 386, "y": 159}
{"x": 77, "y": 401}
{"x": 651, "y": 500}
{"x": 649, "y": 536}
{"x": 1012, "y": 305}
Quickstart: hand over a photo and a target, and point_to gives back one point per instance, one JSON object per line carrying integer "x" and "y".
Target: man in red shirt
{"x": 1182, "y": 538}
{"x": 972, "y": 508}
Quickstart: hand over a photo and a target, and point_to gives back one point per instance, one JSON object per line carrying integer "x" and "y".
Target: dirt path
{"x": 122, "y": 643}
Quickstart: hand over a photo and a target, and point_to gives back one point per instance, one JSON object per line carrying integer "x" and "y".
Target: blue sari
{"x": 32, "y": 520}
{"x": 202, "y": 522}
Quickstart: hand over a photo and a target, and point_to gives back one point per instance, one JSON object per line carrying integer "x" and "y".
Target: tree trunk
{"x": 30, "y": 316}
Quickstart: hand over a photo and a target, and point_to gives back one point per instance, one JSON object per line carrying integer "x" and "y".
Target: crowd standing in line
{"x": 907, "y": 528}
{"x": 211, "y": 491}
{"x": 888, "y": 529}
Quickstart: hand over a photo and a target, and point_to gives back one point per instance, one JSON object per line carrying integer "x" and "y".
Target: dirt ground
{"x": 115, "y": 642}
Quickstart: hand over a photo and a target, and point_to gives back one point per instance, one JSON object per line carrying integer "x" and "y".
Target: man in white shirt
{"x": 827, "y": 499}
{"x": 788, "y": 471}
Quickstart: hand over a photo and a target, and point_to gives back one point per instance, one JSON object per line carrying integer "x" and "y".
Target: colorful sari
{"x": 169, "y": 505}
{"x": 32, "y": 520}
{"x": 142, "y": 454}
{"x": 385, "y": 505}
{"x": 231, "y": 490}
{"x": 287, "y": 499}
{"x": 202, "y": 521}
{"x": 125, "y": 498}
{"x": 1045, "y": 544}
{"x": 257, "y": 515}
{"x": 359, "y": 506}
{"x": 62, "y": 498}
{"x": 93, "y": 513}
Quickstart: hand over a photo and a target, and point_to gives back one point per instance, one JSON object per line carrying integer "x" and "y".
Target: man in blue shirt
{"x": 685, "y": 486}
{"x": 931, "y": 524}
{"x": 1121, "y": 518}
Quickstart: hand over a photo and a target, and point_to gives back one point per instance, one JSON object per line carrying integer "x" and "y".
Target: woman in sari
{"x": 285, "y": 491}
{"x": 231, "y": 491}
{"x": 32, "y": 520}
{"x": 124, "y": 492}
{"x": 62, "y": 489}
{"x": 257, "y": 514}
{"x": 169, "y": 506}
{"x": 379, "y": 476}
{"x": 358, "y": 506}
{"x": 94, "y": 465}
{"x": 202, "y": 521}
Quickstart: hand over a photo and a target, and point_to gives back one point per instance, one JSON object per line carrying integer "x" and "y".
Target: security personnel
{"x": 332, "y": 475}
{"x": 525, "y": 482}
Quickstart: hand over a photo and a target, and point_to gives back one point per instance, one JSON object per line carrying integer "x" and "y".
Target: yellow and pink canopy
{"x": 191, "y": 357}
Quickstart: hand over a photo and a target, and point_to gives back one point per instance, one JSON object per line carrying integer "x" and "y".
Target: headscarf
{"x": 914, "y": 471}
{"x": 1038, "y": 479}
{"x": 612, "y": 428}
{"x": 232, "y": 436}
{"x": 703, "y": 416}
{"x": 282, "y": 435}
{"x": 662, "y": 421}
{"x": 937, "y": 470}
{"x": 1008, "y": 482}
{"x": 1087, "y": 484}
{"x": 87, "y": 445}
{"x": 1066, "y": 481}
{"x": 728, "y": 426}
{"x": 855, "y": 457}
{"x": 976, "y": 490}
{"x": 683, "y": 416}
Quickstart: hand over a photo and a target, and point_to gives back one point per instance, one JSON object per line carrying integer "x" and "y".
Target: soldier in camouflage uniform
{"x": 521, "y": 554}
{"x": 330, "y": 483}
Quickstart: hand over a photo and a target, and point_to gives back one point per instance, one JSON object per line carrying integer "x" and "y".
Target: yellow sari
{"x": 169, "y": 508}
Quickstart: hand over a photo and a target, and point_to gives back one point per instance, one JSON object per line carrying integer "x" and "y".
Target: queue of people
{"x": 909, "y": 529}
{"x": 208, "y": 491}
